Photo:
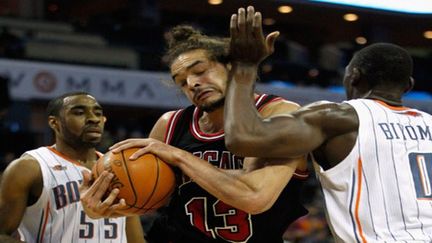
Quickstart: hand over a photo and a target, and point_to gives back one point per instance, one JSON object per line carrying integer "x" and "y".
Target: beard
{"x": 78, "y": 141}
{"x": 213, "y": 105}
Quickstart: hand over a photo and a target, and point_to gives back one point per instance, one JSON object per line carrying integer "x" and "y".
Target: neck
{"x": 85, "y": 156}
{"x": 388, "y": 97}
{"x": 211, "y": 122}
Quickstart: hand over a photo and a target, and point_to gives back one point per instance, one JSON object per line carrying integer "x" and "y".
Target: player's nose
{"x": 193, "y": 82}
{"x": 92, "y": 117}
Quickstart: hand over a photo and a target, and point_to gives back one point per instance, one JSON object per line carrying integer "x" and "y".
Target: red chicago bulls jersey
{"x": 194, "y": 215}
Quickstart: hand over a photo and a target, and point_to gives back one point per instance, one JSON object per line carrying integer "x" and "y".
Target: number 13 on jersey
{"x": 236, "y": 227}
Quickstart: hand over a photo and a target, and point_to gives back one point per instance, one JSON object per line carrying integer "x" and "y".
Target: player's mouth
{"x": 94, "y": 131}
{"x": 202, "y": 95}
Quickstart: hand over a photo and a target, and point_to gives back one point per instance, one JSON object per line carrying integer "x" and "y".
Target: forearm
{"x": 226, "y": 185}
{"x": 8, "y": 228}
{"x": 8, "y": 221}
{"x": 243, "y": 124}
{"x": 134, "y": 230}
{"x": 14, "y": 194}
{"x": 8, "y": 239}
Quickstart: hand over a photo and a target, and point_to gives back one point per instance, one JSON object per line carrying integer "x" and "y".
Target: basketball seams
{"x": 156, "y": 159}
{"x": 146, "y": 208}
{"x": 166, "y": 194}
{"x": 126, "y": 168}
{"x": 148, "y": 180}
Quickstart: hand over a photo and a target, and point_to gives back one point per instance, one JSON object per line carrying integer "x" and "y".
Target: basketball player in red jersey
{"x": 39, "y": 194}
{"x": 373, "y": 156}
{"x": 214, "y": 202}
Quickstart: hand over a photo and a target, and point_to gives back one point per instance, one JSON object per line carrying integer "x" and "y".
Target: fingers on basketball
{"x": 145, "y": 183}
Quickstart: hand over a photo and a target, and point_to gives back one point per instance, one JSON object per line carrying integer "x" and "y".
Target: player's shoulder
{"x": 24, "y": 168}
{"x": 325, "y": 112}
{"x": 26, "y": 161}
{"x": 161, "y": 126}
{"x": 168, "y": 115}
{"x": 330, "y": 115}
{"x": 277, "y": 106}
{"x": 281, "y": 102}
{"x": 325, "y": 106}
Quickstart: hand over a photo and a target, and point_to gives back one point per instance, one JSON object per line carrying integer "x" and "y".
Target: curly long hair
{"x": 184, "y": 38}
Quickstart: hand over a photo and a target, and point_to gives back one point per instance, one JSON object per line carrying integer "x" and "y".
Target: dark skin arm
{"x": 329, "y": 130}
{"x": 310, "y": 129}
{"x": 134, "y": 230}
{"x": 21, "y": 186}
{"x": 8, "y": 239}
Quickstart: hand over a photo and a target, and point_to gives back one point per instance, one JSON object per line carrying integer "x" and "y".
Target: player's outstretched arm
{"x": 288, "y": 135}
{"x": 21, "y": 183}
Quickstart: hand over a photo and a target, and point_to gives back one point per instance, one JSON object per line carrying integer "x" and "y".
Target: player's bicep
{"x": 290, "y": 135}
{"x": 282, "y": 132}
{"x": 15, "y": 188}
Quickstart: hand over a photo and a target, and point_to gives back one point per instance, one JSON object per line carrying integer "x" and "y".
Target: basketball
{"x": 145, "y": 183}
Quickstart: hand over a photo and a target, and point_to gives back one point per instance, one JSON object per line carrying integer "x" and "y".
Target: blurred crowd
{"x": 313, "y": 63}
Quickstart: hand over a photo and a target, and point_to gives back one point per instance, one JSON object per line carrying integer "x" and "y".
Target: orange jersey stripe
{"x": 395, "y": 108}
{"x": 359, "y": 188}
{"x": 47, "y": 212}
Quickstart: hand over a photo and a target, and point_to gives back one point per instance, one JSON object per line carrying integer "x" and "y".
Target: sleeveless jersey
{"x": 381, "y": 192}
{"x": 194, "y": 215}
{"x": 58, "y": 216}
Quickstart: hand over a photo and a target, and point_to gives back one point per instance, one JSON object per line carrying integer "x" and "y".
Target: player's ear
{"x": 53, "y": 123}
{"x": 355, "y": 76}
{"x": 104, "y": 119}
{"x": 410, "y": 85}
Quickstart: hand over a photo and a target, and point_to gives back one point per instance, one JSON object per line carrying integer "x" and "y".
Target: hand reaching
{"x": 164, "y": 151}
{"x": 94, "y": 205}
{"x": 248, "y": 44}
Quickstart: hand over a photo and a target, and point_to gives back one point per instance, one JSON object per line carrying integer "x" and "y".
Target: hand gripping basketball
{"x": 145, "y": 183}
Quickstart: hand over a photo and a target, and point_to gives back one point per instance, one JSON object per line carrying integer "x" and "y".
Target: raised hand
{"x": 248, "y": 44}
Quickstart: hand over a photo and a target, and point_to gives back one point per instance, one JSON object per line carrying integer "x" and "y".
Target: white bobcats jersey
{"x": 57, "y": 216}
{"x": 381, "y": 192}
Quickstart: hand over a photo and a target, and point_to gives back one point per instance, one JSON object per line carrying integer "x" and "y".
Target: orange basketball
{"x": 146, "y": 183}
